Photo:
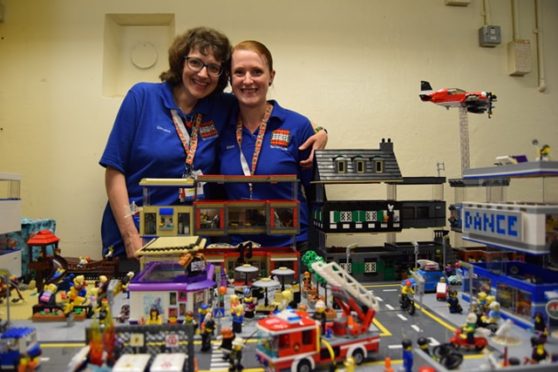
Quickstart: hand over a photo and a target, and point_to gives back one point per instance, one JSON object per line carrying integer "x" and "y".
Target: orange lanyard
{"x": 248, "y": 171}
{"x": 190, "y": 145}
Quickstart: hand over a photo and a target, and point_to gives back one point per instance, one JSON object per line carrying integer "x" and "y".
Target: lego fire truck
{"x": 293, "y": 341}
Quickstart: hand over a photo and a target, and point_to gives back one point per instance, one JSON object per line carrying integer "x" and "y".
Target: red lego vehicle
{"x": 293, "y": 340}
{"x": 475, "y": 102}
{"x": 459, "y": 340}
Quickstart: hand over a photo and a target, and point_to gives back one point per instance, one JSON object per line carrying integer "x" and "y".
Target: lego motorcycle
{"x": 407, "y": 303}
{"x": 460, "y": 341}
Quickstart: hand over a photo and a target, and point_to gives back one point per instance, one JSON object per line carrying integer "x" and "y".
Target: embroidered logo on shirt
{"x": 280, "y": 138}
{"x": 208, "y": 130}
{"x": 163, "y": 129}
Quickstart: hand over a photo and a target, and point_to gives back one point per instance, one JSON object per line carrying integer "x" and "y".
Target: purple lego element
{"x": 170, "y": 276}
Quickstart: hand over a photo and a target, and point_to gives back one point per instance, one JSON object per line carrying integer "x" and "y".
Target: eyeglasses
{"x": 196, "y": 65}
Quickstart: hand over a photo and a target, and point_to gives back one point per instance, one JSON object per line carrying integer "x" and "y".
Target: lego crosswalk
{"x": 218, "y": 359}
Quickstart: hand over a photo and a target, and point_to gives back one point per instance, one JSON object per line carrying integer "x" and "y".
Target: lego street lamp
{"x": 348, "y": 252}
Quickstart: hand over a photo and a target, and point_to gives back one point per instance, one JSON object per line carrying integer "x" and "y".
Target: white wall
{"x": 353, "y": 66}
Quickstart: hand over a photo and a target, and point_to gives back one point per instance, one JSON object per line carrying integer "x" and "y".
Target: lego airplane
{"x": 475, "y": 102}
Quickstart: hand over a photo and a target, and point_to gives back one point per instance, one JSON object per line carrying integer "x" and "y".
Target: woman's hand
{"x": 318, "y": 142}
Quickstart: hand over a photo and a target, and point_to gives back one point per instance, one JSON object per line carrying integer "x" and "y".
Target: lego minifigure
{"x": 250, "y": 303}
{"x": 319, "y": 313}
{"x": 453, "y": 302}
{"x": 539, "y": 353}
{"x": 189, "y": 319}
{"x": 539, "y": 326}
{"x": 125, "y": 281}
{"x": 227, "y": 337}
{"x": 154, "y": 317}
{"x": 235, "y": 357}
{"x": 470, "y": 327}
{"x": 407, "y": 292}
{"x": 202, "y": 311}
{"x": 233, "y": 302}
{"x": 307, "y": 281}
{"x": 494, "y": 312}
{"x": 207, "y": 329}
{"x": 481, "y": 301}
{"x": 407, "y": 355}
{"x": 237, "y": 318}
{"x": 423, "y": 343}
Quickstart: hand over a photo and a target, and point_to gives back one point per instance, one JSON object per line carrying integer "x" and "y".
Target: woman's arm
{"x": 318, "y": 141}
{"x": 117, "y": 192}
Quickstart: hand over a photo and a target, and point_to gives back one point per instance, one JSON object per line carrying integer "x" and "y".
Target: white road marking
{"x": 394, "y": 346}
{"x": 390, "y": 290}
{"x": 379, "y": 299}
{"x": 389, "y": 307}
{"x": 415, "y": 327}
{"x": 402, "y": 317}
{"x": 433, "y": 341}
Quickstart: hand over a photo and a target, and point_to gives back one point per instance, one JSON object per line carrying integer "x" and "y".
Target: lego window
{"x": 379, "y": 166}
{"x": 173, "y": 313}
{"x": 284, "y": 340}
{"x": 523, "y": 304}
{"x": 423, "y": 213}
{"x": 370, "y": 266}
{"x": 166, "y": 219}
{"x": 210, "y": 218}
{"x": 172, "y": 298}
{"x": 345, "y": 266}
{"x": 307, "y": 337}
{"x": 341, "y": 165}
{"x": 182, "y": 296}
{"x": 360, "y": 165}
{"x": 504, "y": 295}
{"x": 283, "y": 217}
{"x": 247, "y": 217}
{"x": 150, "y": 224}
{"x": 184, "y": 224}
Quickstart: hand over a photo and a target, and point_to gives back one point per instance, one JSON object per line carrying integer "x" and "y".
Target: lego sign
{"x": 493, "y": 223}
{"x": 552, "y": 308}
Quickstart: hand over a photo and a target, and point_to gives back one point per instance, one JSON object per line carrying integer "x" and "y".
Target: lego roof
{"x": 43, "y": 237}
{"x": 326, "y": 168}
{"x": 165, "y": 245}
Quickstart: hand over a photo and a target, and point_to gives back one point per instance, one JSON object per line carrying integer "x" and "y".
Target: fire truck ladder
{"x": 336, "y": 276}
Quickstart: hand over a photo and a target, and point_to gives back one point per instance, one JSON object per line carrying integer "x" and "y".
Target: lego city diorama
{"x": 200, "y": 302}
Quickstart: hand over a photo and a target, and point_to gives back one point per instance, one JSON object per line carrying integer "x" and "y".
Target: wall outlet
{"x": 490, "y": 36}
{"x": 519, "y": 57}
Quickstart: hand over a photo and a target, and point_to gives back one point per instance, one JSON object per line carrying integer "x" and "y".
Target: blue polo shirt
{"x": 286, "y": 131}
{"x": 143, "y": 143}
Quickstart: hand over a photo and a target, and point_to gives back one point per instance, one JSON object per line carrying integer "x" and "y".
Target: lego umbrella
{"x": 282, "y": 272}
{"x": 246, "y": 269}
{"x": 266, "y": 283}
{"x": 502, "y": 337}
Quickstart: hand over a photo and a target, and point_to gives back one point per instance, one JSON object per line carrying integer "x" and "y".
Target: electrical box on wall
{"x": 490, "y": 36}
{"x": 519, "y": 57}
{"x": 458, "y": 2}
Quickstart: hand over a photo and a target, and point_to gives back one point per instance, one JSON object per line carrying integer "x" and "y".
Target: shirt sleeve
{"x": 120, "y": 142}
{"x": 305, "y": 174}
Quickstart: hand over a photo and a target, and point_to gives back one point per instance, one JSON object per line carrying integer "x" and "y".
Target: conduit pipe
{"x": 540, "y": 54}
